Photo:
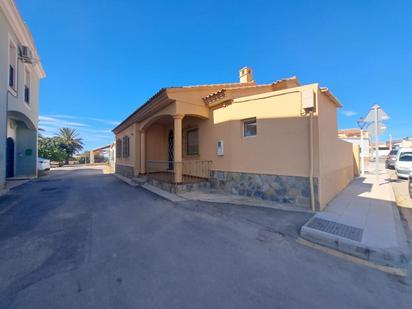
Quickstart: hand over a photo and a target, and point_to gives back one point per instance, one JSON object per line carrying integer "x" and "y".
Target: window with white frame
{"x": 192, "y": 142}
{"x": 27, "y": 86}
{"x": 249, "y": 127}
{"x": 12, "y": 65}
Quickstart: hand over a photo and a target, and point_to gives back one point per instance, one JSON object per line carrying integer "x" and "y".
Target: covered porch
{"x": 170, "y": 150}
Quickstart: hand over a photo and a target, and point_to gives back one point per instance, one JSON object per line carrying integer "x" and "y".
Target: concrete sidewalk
{"x": 363, "y": 221}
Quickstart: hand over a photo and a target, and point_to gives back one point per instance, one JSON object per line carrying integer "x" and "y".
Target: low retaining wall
{"x": 125, "y": 170}
{"x": 177, "y": 188}
{"x": 292, "y": 190}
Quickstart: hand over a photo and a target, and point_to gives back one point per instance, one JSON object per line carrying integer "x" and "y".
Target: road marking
{"x": 386, "y": 269}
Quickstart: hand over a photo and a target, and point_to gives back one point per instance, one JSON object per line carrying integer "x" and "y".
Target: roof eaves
{"x": 157, "y": 94}
{"x": 330, "y": 95}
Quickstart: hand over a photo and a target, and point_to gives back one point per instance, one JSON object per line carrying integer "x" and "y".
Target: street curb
{"x": 126, "y": 180}
{"x": 397, "y": 257}
{"x": 164, "y": 194}
{"x": 255, "y": 204}
{"x": 397, "y": 271}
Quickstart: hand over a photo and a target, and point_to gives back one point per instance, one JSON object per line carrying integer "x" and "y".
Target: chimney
{"x": 245, "y": 75}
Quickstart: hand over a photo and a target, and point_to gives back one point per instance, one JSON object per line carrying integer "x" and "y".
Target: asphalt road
{"x": 81, "y": 239}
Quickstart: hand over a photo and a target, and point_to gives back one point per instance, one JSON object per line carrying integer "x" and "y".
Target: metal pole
{"x": 375, "y": 107}
{"x": 362, "y": 163}
{"x": 390, "y": 141}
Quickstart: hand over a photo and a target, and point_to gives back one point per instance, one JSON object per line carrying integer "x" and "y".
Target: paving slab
{"x": 363, "y": 221}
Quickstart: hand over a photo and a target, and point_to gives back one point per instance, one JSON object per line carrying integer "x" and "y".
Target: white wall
{"x": 13, "y": 101}
{"x": 365, "y": 149}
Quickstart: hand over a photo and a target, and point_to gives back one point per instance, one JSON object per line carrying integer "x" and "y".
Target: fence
{"x": 192, "y": 170}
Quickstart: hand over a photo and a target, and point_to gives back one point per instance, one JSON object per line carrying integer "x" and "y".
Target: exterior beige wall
{"x": 356, "y": 159}
{"x": 131, "y": 160}
{"x": 281, "y": 146}
{"x": 157, "y": 142}
{"x": 335, "y": 155}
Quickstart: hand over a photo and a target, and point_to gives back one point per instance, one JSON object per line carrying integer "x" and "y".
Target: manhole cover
{"x": 335, "y": 228}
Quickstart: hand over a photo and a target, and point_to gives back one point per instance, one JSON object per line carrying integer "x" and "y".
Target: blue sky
{"x": 105, "y": 58}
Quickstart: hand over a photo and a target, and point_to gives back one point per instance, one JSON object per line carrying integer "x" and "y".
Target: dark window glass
{"x": 192, "y": 142}
{"x": 249, "y": 127}
{"x": 11, "y": 77}
{"x": 405, "y": 156}
{"x": 119, "y": 148}
{"x": 26, "y": 94}
{"x": 126, "y": 147}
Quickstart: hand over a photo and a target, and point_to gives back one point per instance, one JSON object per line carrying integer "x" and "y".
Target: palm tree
{"x": 70, "y": 141}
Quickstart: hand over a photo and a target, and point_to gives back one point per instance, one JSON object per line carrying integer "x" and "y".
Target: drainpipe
{"x": 311, "y": 182}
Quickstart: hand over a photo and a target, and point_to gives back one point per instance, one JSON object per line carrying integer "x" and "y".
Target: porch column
{"x": 91, "y": 157}
{"x": 142, "y": 152}
{"x": 177, "y": 147}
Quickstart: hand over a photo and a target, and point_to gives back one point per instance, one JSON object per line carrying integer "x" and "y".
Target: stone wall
{"x": 125, "y": 170}
{"x": 178, "y": 188}
{"x": 292, "y": 190}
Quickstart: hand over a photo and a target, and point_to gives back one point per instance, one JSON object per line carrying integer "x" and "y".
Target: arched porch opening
{"x": 165, "y": 155}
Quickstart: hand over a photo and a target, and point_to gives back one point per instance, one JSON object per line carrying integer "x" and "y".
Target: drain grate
{"x": 339, "y": 229}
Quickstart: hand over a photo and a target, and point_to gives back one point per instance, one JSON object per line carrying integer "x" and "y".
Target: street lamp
{"x": 361, "y": 124}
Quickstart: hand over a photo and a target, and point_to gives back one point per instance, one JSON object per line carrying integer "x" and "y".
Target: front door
{"x": 10, "y": 157}
{"x": 171, "y": 149}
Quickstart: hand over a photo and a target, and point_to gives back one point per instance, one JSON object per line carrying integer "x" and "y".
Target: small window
{"x": 27, "y": 86}
{"x": 126, "y": 149}
{"x": 192, "y": 142}
{"x": 249, "y": 127}
{"x": 119, "y": 148}
{"x": 12, "y": 65}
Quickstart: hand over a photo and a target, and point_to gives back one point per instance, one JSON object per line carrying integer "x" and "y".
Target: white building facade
{"x": 20, "y": 72}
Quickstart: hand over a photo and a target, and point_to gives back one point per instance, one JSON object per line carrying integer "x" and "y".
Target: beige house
{"x": 273, "y": 141}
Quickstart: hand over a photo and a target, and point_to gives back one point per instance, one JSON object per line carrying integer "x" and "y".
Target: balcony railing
{"x": 192, "y": 170}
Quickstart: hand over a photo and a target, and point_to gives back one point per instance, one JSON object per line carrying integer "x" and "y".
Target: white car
{"x": 43, "y": 164}
{"x": 403, "y": 164}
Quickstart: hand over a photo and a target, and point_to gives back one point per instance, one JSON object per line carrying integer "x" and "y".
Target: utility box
{"x": 308, "y": 99}
{"x": 220, "y": 149}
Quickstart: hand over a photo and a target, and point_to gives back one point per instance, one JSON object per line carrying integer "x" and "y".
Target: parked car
{"x": 410, "y": 185}
{"x": 43, "y": 164}
{"x": 403, "y": 165}
{"x": 391, "y": 159}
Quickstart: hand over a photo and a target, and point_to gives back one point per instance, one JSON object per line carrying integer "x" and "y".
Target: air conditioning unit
{"x": 26, "y": 54}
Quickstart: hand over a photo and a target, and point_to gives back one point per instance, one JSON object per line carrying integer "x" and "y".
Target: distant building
{"x": 354, "y": 136}
{"x": 19, "y": 83}
{"x": 352, "y": 133}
